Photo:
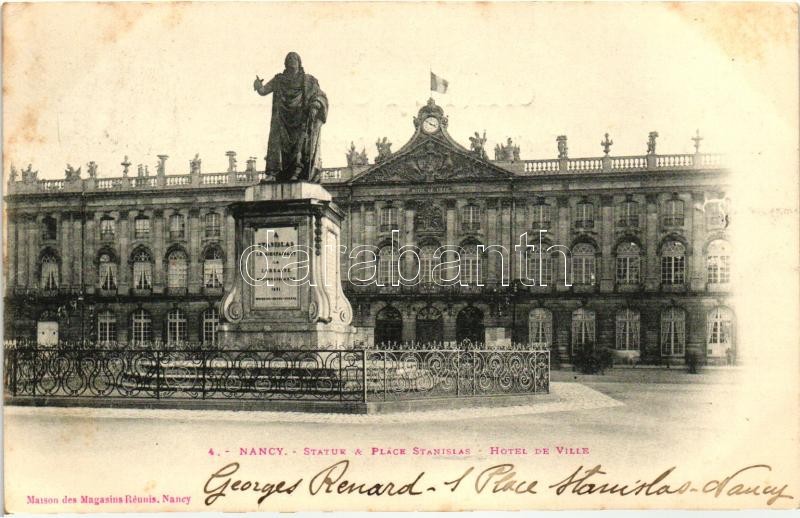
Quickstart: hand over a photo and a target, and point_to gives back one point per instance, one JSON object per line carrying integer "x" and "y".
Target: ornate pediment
{"x": 431, "y": 160}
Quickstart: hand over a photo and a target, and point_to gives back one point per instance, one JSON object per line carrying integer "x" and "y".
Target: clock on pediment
{"x": 431, "y": 118}
{"x": 430, "y": 124}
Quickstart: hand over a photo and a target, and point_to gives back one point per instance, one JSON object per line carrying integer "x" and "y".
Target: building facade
{"x": 630, "y": 253}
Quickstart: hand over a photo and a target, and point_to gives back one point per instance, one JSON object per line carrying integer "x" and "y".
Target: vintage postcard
{"x": 400, "y": 256}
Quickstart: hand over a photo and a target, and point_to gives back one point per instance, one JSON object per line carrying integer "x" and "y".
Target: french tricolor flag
{"x": 438, "y": 84}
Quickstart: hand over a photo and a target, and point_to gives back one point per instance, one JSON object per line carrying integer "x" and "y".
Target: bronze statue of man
{"x": 299, "y": 109}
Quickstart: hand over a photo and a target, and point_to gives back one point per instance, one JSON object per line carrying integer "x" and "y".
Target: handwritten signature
{"x": 499, "y": 479}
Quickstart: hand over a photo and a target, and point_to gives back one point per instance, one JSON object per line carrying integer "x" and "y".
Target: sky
{"x": 100, "y": 81}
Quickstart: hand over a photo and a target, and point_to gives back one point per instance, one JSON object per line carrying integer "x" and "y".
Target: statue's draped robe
{"x": 293, "y": 148}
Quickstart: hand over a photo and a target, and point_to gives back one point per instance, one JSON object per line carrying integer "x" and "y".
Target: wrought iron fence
{"x": 421, "y": 374}
{"x": 195, "y": 374}
{"x": 320, "y": 375}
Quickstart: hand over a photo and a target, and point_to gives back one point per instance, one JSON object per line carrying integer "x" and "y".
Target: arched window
{"x": 106, "y": 327}
{"x": 176, "y": 326}
{"x": 472, "y": 218}
{"x": 49, "y": 272}
{"x": 540, "y": 265}
{"x": 673, "y": 332}
{"x": 210, "y": 326}
{"x": 142, "y": 270}
{"x": 628, "y": 214}
{"x": 212, "y": 268}
{"x": 540, "y": 327}
{"x": 718, "y": 262}
{"x": 628, "y": 262}
{"x": 177, "y": 270}
{"x": 107, "y": 272}
{"x": 141, "y": 326}
{"x": 141, "y": 227}
{"x": 720, "y": 332}
{"x": 387, "y": 268}
{"x": 427, "y": 262}
{"x": 49, "y": 229}
{"x": 584, "y": 215}
{"x": 582, "y": 330}
{"x": 627, "y": 330}
{"x": 673, "y": 263}
{"x": 470, "y": 264}
{"x": 673, "y": 213}
{"x": 212, "y": 225}
{"x": 177, "y": 226}
{"x": 107, "y": 228}
{"x": 541, "y": 215}
{"x": 583, "y": 264}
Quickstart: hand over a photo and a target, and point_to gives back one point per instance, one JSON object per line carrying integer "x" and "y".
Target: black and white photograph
{"x": 336, "y": 256}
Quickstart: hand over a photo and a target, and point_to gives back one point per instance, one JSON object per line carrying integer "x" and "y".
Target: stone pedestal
{"x": 287, "y": 293}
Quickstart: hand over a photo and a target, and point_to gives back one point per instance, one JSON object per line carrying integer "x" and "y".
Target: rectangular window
{"x": 627, "y": 335}
{"x": 176, "y": 331}
{"x": 469, "y": 273}
{"x": 212, "y": 273}
{"x": 107, "y": 228}
{"x": 142, "y": 275}
{"x": 389, "y": 219}
{"x": 719, "y": 270}
{"x": 142, "y": 329}
{"x": 584, "y": 215}
{"x": 49, "y": 274}
{"x": 177, "y": 227}
{"x": 106, "y": 329}
{"x": 541, "y": 332}
{"x": 582, "y": 334}
{"x": 212, "y": 225}
{"x": 673, "y": 213}
{"x": 541, "y": 276}
{"x": 583, "y": 270}
{"x": 108, "y": 276}
{"x": 472, "y": 219}
{"x": 141, "y": 228}
{"x": 210, "y": 325}
{"x": 715, "y": 217}
{"x": 628, "y": 214}
{"x": 541, "y": 217}
{"x": 628, "y": 270}
{"x": 672, "y": 337}
{"x": 385, "y": 270}
{"x": 673, "y": 269}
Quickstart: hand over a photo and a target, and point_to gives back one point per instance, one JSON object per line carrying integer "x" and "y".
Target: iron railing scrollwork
{"x": 320, "y": 375}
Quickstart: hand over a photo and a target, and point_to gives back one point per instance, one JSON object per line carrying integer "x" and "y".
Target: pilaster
{"x": 157, "y": 237}
{"x": 651, "y": 273}
{"x": 606, "y": 244}
{"x": 698, "y": 238}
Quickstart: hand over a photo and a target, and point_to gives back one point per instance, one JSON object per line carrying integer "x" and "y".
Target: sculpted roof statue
{"x": 299, "y": 109}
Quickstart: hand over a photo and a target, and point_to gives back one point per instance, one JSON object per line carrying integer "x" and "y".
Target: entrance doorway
{"x": 469, "y": 326}
{"x": 388, "y": 326}
{"x": 430, "y": 328}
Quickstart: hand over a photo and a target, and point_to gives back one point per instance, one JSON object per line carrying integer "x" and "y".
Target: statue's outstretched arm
{"x": 261, "y": 88}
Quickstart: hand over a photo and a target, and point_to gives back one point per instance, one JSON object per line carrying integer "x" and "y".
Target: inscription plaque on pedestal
{"x": 275, "y": 267}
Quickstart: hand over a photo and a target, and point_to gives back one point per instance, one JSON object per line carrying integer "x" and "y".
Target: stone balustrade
{"x": 342, "y": 174}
